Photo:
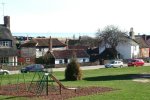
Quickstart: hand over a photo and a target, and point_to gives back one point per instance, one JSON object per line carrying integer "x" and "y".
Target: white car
{"x": 114, "y": 63}
{"x": 4, "y": 72}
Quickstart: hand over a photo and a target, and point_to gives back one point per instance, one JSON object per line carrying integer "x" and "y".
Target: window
{"x": 27, "y": 59}
{"x": 4, "y": 60}
{"x": 40, "y": 49}
{"x": 5, "y": 43}
{"x": 60, "y": 61}
{"x": 84, "y": 60}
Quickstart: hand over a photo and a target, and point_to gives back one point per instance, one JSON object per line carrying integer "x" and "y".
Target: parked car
{"x": 4, "y": 72}
{"x": 136, "y": 62}
{"x": 33, "y": 68}
{"x": 114, "y": 64}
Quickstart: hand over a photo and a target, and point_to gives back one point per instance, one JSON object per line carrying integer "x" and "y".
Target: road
{"x": 82, "y": 67}
{"x": 63, "y": 69}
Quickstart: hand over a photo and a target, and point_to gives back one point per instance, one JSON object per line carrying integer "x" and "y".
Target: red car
{"x": 136, "y": 62}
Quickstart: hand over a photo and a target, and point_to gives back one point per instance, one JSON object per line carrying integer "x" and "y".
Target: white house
{"x": 127, "y": 50}
{"x": 64, "y": 56}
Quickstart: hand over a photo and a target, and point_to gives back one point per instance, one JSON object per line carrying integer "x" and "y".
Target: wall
{"x": 128, "y": 51}
{"x": 80, "y": 60}
{"x": 135, "y": 51}
{"x": 144, "y": 52}
{"x": 13, "y": 61}
{"x": 42, "y": 52}
{"x": 57, "y": 61}
{"x": 27, "y": 52}
{"x": 124, "y": 50}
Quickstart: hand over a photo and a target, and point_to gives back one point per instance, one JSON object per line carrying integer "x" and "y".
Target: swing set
{"x": 38, "y": 85}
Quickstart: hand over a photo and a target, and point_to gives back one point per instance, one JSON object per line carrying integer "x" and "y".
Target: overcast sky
{"x": 76, "y": 16}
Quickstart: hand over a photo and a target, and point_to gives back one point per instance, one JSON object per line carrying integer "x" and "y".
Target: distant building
{"x": 127, "y": 50}
{"x": 37, "y": 47}
{"x": 144, "y": 47}
{"x": 64, "y": 56}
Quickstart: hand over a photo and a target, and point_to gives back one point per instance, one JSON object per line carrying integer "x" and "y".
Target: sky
{"x": 65, "y": 18}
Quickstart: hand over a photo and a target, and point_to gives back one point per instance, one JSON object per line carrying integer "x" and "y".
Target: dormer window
{"x": 5, "y": 43}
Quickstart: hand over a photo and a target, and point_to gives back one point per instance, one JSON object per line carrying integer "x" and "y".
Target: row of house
{"x": 61, "y": 52}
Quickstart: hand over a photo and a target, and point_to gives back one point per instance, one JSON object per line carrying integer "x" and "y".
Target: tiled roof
{"x": 43, "y": 42}
{"x": 61, "y": 54}
{"x": 147, "y": 39}
{"x": 142, "y": 43}
{"x": 29, "y": 44}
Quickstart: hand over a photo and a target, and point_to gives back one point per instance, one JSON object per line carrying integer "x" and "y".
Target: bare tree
{"x": 112, "y": 36}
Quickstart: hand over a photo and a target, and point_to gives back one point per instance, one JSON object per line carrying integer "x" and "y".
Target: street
{"x": 82, "y": 67}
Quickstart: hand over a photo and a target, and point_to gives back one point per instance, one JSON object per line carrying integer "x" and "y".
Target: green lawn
{"x": 117, "y": 78}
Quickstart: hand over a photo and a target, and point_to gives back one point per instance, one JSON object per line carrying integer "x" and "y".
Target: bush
{"x": 40, "y": 60}
{"x": 73, "y": 71}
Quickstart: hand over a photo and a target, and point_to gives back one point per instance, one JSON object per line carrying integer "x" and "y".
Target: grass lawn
{"x": 117, "y": 78}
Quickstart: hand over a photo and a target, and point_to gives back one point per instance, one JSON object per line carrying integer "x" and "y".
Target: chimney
{"x": 144, "y": 36}
{"x": 67, "y": 44}
{"x": 50, "y": 44}
{"x": 7, "y": 21}
{"x": 131, "y": 33}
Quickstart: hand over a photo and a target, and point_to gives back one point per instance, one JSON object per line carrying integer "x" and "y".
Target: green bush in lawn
{"x": 73, "y": 71}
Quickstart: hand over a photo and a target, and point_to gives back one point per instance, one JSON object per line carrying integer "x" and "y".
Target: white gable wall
{"x": 128, "y": 51}
{"x": 124, "y": 50}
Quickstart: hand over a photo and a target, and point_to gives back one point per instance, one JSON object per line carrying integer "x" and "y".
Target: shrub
{"x": 73, "y": 71}
{"x": 39, "y": 60}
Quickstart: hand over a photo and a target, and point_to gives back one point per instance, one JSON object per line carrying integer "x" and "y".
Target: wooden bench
{"x": 61, "y": 85}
